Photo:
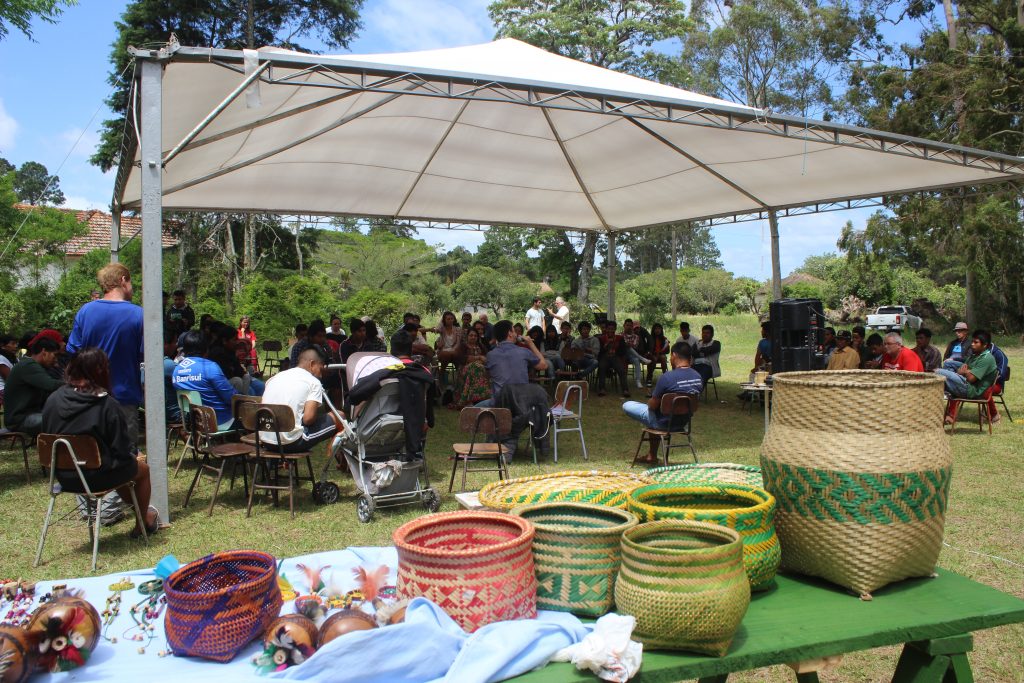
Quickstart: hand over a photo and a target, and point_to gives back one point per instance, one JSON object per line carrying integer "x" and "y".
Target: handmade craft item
{"x": 289, "y": 641}
{"x": 220, "y": 603}
{"x": 18, "y": 654}
{"x": 861, "y": 491}
{"x": 707, "y": 473}
{"x": 112, "y": 608}
{"x": 475, "y": 565}
{"x": 345, "y": 621}
{"x": 145, "y": 614}
{"x": 684, "y": 583}
{"x": 579, "y": 486}
{"x": 576, "y": 553}
{"x": 66, "y": 630}
{"x": 747, "y": 509}
{"x": 390, "y": 614}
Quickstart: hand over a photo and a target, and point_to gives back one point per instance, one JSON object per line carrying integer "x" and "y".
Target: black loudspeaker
{"x": 797, "y": 331}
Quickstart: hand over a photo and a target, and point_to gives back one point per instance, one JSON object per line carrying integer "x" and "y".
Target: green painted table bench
{"x": 803, "y": 619}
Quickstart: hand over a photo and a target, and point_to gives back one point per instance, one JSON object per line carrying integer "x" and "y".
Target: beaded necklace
{"x": 145, "y": 614}
{"x": 113, "y": 606}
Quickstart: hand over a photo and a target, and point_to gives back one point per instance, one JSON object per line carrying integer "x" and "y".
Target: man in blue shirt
{"x": 681, "y": 379}
{"x": 114, "y": 324}
{"x": 510, "y": 364}
{"x": 196, "y": 373}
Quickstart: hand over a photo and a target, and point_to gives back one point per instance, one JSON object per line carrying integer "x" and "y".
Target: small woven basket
{"x": 475, "y": 565}
{"x": 220, "y": 603}
{"x": 576, "y": 553}
{"x": 577, "y": 486}
{"x": 684, "y": 583}
{"x": 748, "y": 510}
{"x": 707, "y": 473}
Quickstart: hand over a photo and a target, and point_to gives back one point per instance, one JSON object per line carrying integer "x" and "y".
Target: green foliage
{"x": 12, "y": 312}
{"x": 35, "y": 238}
{"x": 276, "y": 307}
{"x": 710, "y": 289}
{"x": 379, "y": 260}
{"x": 803, "y": 290}
{"x": 33, "y": 184}
{"x": 20, "y": 13}
{"x": 386, "y": 308}
{"x": 496, "y": 290}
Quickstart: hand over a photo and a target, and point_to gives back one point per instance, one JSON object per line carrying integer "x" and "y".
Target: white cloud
{"x": 84, "y": 143}
{"x": 406, "y": 25}
{"x": 8, "y": 129}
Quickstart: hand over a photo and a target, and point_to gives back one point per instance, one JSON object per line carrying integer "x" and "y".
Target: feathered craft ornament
{"x": 281, "y": 651}
{"x": 62, "y": 647}
{"x": 313, "y": 576}
{"x": 371, "y": 581}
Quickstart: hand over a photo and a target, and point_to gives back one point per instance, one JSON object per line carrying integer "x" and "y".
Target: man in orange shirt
{"x": 899, "y": 357}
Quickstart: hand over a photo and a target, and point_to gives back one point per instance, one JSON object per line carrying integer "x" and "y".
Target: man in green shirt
{"x": 28, "y": 387}
{"x": 973, "y": 378}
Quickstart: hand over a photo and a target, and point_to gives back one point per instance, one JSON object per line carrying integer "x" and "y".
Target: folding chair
{"x": 24, "y": 440}
{"x": 676, "y": 406}
{"x": 270, "y": 456}
{"x": 572, "y": 358}
{"x": 216, "y": 456}
{"x": 563, "y": 411}
{"x": 77, "y": 452}
{"x": 711, "y": 383}
{"x": 481, "y": 423}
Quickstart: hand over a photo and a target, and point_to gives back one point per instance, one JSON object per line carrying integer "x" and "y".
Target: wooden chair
{"x": 215, "y": 456}
{"x": 24, "y": 439}
{"x": 711, "y": 383}
{"x": 676, "y": 406}
{"x": 80, "y": 453}
{"x": 999, "y": 397}
{"x": 270, "y": 457}
{"x": 572, "y": 358}
{"x": 954, "y": 405}
{"x": 271, "y": 357}
{"x": 565, "y": 395}
{"x": 480, "y": 423}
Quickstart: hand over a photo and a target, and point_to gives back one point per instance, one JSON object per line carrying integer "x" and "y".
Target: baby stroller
{"x": 385, "y": 469}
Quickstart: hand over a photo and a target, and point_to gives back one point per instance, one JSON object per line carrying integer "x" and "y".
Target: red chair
{"x": 998, "y": 397}
{"x": 954, "y": 404}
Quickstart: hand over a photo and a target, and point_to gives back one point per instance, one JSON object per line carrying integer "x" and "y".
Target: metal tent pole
{"x": 115, "y": 232}
{"x": 152, "y": 280}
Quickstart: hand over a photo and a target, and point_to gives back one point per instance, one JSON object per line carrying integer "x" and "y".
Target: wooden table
{"x": 803, "y": 619}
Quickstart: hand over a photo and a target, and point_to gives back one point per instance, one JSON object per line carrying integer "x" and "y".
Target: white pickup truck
{"x": 893, "y": 318}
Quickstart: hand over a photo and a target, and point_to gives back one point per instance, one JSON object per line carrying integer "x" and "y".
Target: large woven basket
{"x": 575, "y": 486}
{"x": 748, "y": 510}
{"x": 684, "y": 583}
{"x": 707, "y": 473}
{"x": 861, "y": 487}
{"x": 477, "y": 566}
{"x": 218, "y": 604}
{"x": 576, "y": 553}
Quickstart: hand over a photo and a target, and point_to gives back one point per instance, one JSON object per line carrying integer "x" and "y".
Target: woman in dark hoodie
{"x": 84, "y": 406}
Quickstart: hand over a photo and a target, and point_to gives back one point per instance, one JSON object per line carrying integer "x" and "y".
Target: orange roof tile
{"x": 99, "y": 224}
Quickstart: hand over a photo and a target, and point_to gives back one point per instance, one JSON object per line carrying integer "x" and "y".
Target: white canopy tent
{"x": 486, "y": 134}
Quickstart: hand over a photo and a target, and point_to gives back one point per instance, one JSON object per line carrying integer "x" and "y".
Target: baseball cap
{"x": 961, "y": 326}
{"x": 844, "y": 334}
{"x": 52, "y": 335}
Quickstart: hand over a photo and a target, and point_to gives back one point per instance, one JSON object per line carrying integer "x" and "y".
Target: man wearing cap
{"x": 959, "y": 349}
{"x": 929, "y": 354}
{"x": 844, "y": 357}
{"x": 899, "y": 357}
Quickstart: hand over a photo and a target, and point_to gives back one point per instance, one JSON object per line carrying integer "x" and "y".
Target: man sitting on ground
{"x": 508, "y": 363}
{"x": 29, "y": 385}
{"x": 197, "y": 373}
{"x": 844, "y": 357}
{"x": 931, "y": 357}
{"x": 681, "y": 379}
{"x": 300, "y": 389}
{"x": 899, "y": 357}
{"x": 973, "y": 378}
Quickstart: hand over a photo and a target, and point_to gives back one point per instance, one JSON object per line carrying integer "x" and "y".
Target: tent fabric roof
{"x": 507, "y": 133}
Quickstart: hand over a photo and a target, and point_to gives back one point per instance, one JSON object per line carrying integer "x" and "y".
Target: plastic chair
{"x": 80, "y": 453}
{"x": 675, "y": 406}
{"x": 565, "y": 394}
{"x": 270, "y": 456}
{"x": 204, "y": 433}
{"x": 481, "y": 423}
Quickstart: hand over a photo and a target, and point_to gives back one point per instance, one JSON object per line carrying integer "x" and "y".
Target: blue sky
{"x": 52, "y": 92}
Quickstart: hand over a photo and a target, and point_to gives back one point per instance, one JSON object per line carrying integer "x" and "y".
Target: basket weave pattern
{"x": 220, "y": 603}
{"x": 748, "y": 510}
{"x": 684, "y": 583}
{"x": 576, "y": 552}
{"x": 576, "y": 486}
{"x": 477, "y": 566}
{"x": 707, "y": 473}
{"x": 862, "y": 491}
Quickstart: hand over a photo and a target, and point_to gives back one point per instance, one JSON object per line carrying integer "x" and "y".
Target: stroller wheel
{"x": 431, "y": 500}
{"x": 326, "y": 492}
{"x": 364, "y": 508}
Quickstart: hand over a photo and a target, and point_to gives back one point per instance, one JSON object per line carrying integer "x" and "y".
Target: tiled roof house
{"x": 98, "y": 236}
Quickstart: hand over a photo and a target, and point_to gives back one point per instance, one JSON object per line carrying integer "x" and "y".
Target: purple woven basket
{"x": 219, "y": 604}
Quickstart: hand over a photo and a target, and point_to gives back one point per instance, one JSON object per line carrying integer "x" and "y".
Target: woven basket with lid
{"x": 573, "y": 486}
{"x": 707, "y": 473}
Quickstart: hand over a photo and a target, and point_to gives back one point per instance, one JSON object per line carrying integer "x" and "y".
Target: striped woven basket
{"x": 684, "y": 583}
{"x": 574, "y": 486}
{"x": 576, "y": 553}
{"x": 475, "y": 565}
{"x": 220, "y": 603}
{"x": 748, "y": 510}
{"x": 707, "y": 473}
{"x": 862, "y": 490}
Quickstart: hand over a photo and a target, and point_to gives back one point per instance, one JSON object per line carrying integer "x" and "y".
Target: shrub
{"x": 386, "y": 308}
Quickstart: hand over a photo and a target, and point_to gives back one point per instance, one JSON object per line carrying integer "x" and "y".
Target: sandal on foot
{"x": 150, "y": 529}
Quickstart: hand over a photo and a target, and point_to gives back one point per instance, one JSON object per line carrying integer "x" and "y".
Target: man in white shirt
{"x": 300, "y": 389}
{"x": 561, "y": 315}
{"x": 535, "y": 316}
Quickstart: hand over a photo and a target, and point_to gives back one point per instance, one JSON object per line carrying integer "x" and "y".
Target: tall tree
{"x": 30, "y": 239}
{"x": 614, "y": 34}
{"x": 33, "y": 184}
{"x": 20, "y": 13}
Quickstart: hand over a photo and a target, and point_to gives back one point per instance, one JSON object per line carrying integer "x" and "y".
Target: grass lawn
{"x": 985, "y": 515}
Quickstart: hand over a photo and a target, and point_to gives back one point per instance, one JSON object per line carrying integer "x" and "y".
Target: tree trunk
{"x": 250, "y": 27}
{"x": 675, "y": 267}
{"x": 587, "y": 267}
{"x": 773, "y": 224}
{"x": 298, "y": 247}
{"x": 231, "y": 257}
{"x": 183, "y": 240}
{"x": 612, "y": 263}
{"x": 1020, "y": 13}
{"x": 969, "y": 286}
{"x": 947, "y": 5}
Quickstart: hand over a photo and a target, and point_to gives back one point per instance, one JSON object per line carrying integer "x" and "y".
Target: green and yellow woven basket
{"x": 748, "y": 510}
{"x": 576, "y": 554}
{"x": 684, "y": 583}
{"x": 707, "y": 473}
{"x": 575, "y": 486}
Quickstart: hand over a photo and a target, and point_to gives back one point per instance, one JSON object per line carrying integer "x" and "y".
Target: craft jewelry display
{"x": 145, "y": 614}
